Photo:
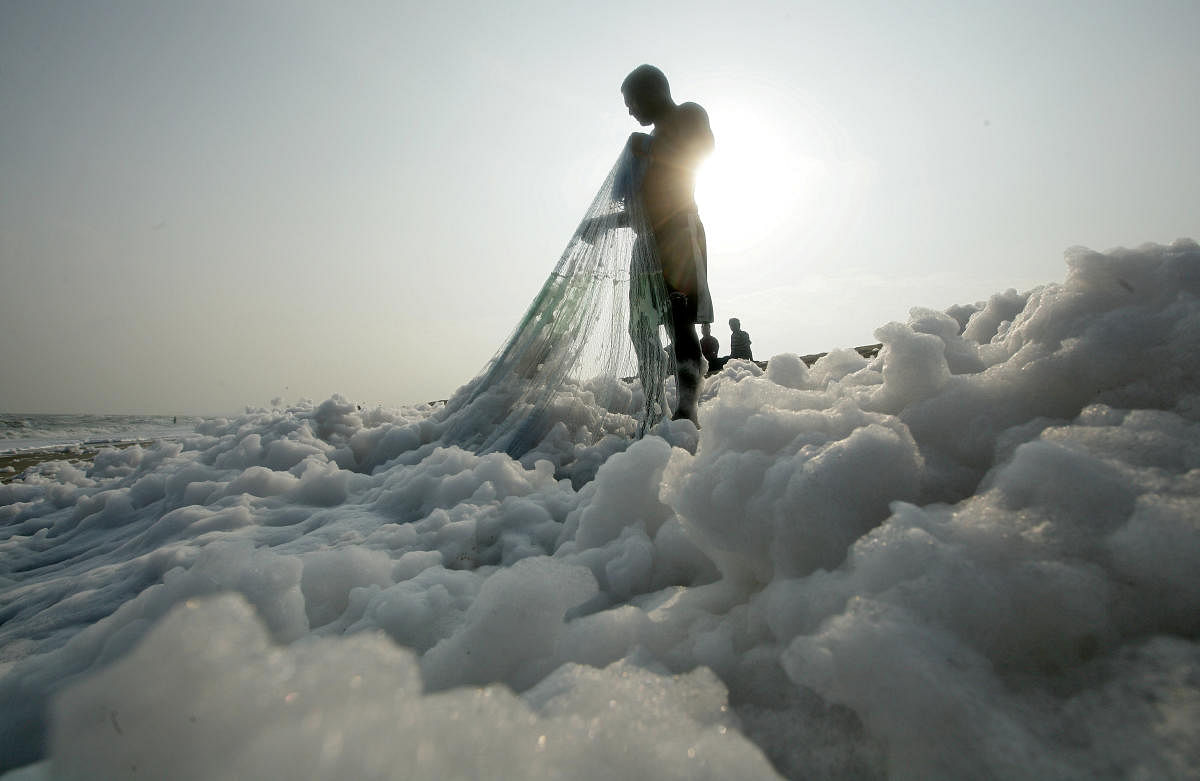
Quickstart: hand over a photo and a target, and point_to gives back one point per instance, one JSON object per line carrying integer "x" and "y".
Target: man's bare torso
{"x": 681, "y": 141}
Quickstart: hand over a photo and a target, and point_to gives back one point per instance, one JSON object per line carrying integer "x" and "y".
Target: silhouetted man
{"x": 739, "y": 341}
{"x": 680, "y": 140}
{"x": 709, "y": 347}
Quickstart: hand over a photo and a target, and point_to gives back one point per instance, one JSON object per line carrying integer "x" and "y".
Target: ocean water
{"x": 21, "y": 432}
{"x": 975, "y": 555}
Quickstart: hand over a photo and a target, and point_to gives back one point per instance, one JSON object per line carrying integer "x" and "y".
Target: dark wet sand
{"x": 13, "y": 465}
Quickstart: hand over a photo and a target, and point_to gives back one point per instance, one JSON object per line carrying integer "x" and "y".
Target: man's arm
{"x": 639, "y": 144}
{"x": 697, "y": 132}
{"x": 592, "y": 227}
{"x": 639, "y": 147}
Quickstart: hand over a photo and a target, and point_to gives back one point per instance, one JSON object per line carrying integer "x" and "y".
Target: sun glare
{"x": 753, "y": 184}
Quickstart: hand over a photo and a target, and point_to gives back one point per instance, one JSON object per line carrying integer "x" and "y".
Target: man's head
{"x": 735, "y": 324}
{"x": 705, "y": 329}
{"x": 647, "y": 94}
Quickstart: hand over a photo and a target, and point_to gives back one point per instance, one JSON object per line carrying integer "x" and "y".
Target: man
{"x": 681, "y": 139}
{"x": 739, "y": 341}
{"x": 709, "y": 347}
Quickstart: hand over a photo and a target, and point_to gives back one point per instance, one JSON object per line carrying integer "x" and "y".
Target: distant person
{"x": 739, "y": 341}
{"x": 681, "y": 139}
{"x": 710, "y": 347}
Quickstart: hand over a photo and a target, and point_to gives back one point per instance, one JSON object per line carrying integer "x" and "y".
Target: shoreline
{"x": 14, "y": 465}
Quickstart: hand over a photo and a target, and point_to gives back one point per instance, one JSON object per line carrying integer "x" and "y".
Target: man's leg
{"x": 687, "y": 357}
{"x": 681, "y": 250}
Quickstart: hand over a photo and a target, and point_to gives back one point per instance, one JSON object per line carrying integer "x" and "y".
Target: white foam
{"x": 974, "y": 555}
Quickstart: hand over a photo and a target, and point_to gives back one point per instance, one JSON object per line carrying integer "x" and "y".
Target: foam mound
{"x": 975, "y": 555}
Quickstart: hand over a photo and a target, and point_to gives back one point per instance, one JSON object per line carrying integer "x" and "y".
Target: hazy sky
{"x": 205, "y": 205}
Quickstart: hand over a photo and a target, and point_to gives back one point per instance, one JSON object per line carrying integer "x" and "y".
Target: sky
{"x": 210, "y": 205}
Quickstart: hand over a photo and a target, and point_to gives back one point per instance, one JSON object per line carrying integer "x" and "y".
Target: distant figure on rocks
{"x": 710, "y": 347}
{"x": 739, "y": 341}
{"x": 681, "y": 139}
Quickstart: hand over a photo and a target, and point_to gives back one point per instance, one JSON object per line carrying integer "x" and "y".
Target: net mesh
{"x": 591, "y": 340}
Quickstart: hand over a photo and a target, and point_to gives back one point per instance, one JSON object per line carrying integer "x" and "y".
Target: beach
{"x": 15, "y": 465}
{"x": 27, "y": 440}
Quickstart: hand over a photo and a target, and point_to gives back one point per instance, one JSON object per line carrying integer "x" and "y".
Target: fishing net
{"x": 589, "y": 352}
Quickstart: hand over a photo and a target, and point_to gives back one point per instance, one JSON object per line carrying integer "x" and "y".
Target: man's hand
{"x": 639, "y": 144}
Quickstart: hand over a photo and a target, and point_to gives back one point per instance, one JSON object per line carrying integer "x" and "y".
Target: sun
{"x": 752, "y": 186}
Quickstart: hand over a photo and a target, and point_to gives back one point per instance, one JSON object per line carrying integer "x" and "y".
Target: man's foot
{"x": 683, "y": 415}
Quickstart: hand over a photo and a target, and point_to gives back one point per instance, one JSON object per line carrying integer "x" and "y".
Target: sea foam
{"x": 975, "y": 555}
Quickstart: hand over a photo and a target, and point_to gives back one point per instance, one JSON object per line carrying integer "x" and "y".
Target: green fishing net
{"x": 592, "y": 353}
